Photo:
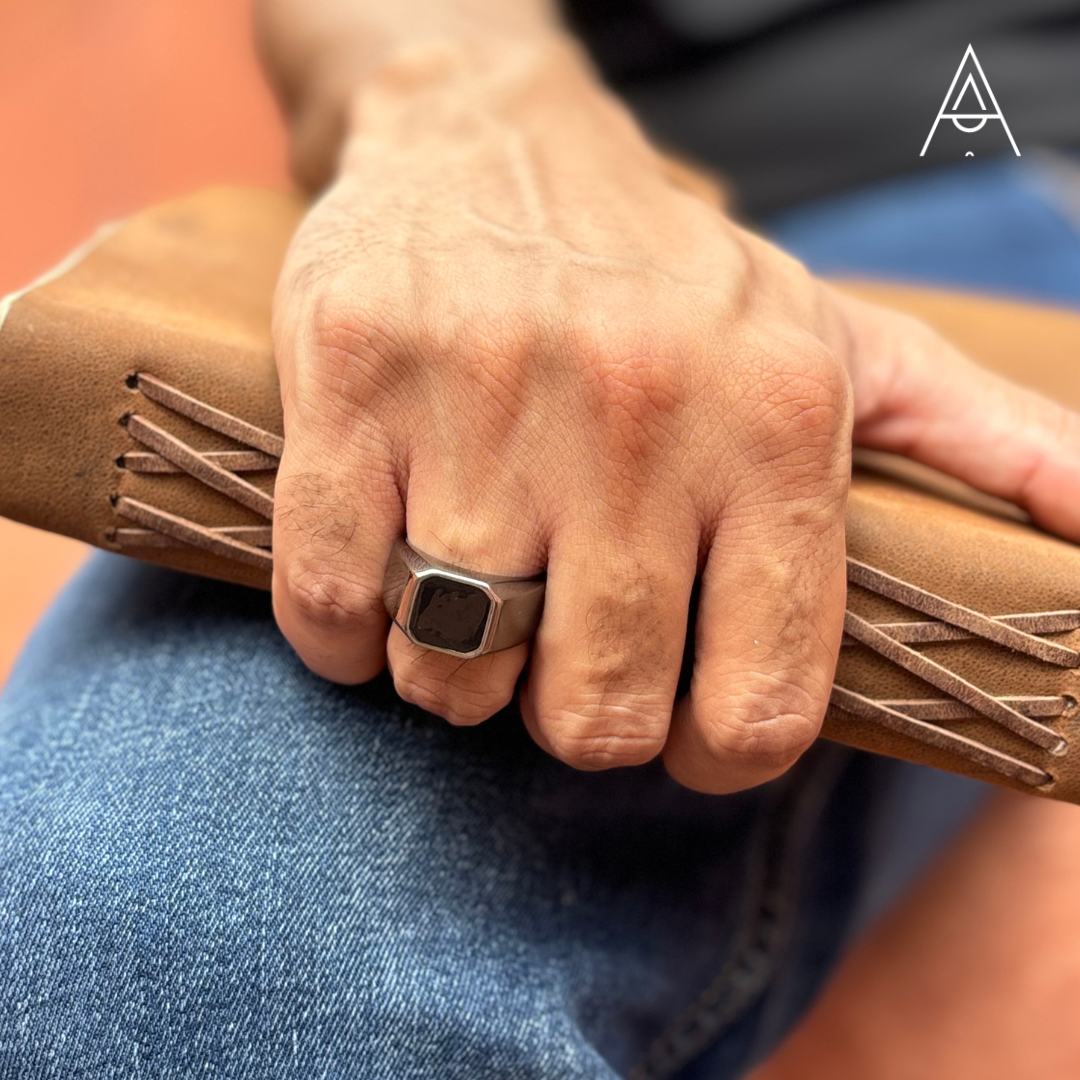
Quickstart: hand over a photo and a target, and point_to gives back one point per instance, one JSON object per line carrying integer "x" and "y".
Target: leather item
{"x": 140, "y": 413}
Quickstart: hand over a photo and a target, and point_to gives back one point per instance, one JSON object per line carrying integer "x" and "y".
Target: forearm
{"x": 319, "y": 53}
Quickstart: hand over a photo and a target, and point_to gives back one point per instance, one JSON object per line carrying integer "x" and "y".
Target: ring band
{"x": 462, "y": 612}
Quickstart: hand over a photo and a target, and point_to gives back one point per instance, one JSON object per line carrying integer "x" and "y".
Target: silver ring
{"x": 462, "y": 612}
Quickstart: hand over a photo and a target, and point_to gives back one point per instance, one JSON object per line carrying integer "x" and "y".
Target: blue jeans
{"x": 214, "y": 864}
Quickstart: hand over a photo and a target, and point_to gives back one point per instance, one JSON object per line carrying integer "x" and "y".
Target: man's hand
{"x": 504, "y": 331}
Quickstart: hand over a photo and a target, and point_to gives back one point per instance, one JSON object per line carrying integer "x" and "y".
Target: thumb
{"x": 916, "y": 395}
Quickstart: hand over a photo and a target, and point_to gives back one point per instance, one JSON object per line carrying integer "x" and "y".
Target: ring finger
{"x": 481, "y": 539}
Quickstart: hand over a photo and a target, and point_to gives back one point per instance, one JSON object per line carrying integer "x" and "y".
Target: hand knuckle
{"x": 767, "y": 729}
{"x": 360, "y": 353}
{"x": 420, "y": 695}
{"x": 603, "y": 750}
{"x": 339, "y": 322}
{"x": 802, "y": 401}
{"x": 627, "y": 379}
{"x": 328, "y": 599}
{"x": 608, "y": 730}
{"x": 459, "y": 705}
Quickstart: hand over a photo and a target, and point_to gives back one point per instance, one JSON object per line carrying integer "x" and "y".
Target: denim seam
{"x": 779, "y": 855}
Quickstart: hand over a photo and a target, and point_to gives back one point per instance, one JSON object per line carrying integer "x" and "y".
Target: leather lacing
{"x": 953, "y": 622}
{"x": 916, "y": 719}
{"x": 219, "y": 470}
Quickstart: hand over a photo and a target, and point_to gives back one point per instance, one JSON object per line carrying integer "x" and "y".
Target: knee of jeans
{"x": 169, "y": 949}
{"x": 262, "y": 898}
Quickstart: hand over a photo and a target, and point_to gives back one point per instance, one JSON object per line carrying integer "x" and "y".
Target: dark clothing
{"x": 795, "y": 99}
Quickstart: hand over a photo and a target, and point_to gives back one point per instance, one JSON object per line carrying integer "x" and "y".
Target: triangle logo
{"x": 971, "y": 106}
{"x": 958, "y": 105}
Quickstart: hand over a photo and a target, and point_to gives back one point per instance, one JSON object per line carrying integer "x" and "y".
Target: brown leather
{"x": 182, "y": 292}
{"x": 987, "y": 563}
{"x": 141, "y": 414}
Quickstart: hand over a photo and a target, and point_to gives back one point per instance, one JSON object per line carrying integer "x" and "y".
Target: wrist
{"x": 453, "y": 95}
{"x": 435, "y": 84}
{"x": 360, "y": 81}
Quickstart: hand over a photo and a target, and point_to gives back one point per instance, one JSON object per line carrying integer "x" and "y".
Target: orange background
{"x": 105, "y": 106}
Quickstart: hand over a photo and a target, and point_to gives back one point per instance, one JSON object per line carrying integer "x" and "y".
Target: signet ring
{"x": 458, "y": 611}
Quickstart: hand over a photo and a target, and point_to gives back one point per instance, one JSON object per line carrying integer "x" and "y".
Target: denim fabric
{"x": 214, "y": 864}
{"x": 1008, "y": 226}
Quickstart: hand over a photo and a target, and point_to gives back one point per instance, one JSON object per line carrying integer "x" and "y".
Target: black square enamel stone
{"x": 449, "y": 614}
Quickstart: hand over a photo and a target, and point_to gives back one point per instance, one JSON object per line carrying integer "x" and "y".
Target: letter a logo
{"x": 969, "y": 104}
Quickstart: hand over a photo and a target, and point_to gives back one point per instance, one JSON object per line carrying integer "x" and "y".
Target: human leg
{"x": 214, "y": 863}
